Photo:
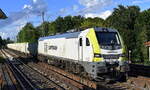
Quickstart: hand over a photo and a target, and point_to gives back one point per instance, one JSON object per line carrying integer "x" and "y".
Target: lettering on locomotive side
{"x": 52, "y": 47}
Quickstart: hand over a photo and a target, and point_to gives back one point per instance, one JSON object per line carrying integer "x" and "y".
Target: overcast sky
{"x": 21, "y": 11}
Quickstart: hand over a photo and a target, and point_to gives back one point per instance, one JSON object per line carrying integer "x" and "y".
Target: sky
{"x": 20, "y": 12}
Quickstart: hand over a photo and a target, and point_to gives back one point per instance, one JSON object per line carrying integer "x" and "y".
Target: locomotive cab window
{"x": 106, "y": 38}
{"x": 87, "y": 42}
{"x": 80, "y": 41}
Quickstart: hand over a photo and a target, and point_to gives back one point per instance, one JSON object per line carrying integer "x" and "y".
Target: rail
{"x": 23, "y": 81}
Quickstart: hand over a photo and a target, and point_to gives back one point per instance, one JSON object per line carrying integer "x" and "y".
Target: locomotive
{"x": 98, "y": 53}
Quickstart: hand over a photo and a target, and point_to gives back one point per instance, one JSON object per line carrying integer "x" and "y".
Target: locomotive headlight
{"x": 97, "y": 55}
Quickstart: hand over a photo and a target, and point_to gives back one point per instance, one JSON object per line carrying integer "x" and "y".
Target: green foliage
{"x": 95, "y": 22}
{"x": 142, "y": 27}
{"x": 147, "y": 62}
{"x": 52, "y": 28}
{"x": 43, "y": 29}
{"x": 28, "y": 34}
{"x": 60, "y": 25}
{"x": 123, "y": 17}
{"x": 67, "y": 23}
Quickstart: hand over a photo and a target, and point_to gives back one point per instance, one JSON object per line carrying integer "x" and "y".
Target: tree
{"x": 143, "y": 27}
{"x": 77, "y": 21}
{"x": 28, "y": 34}
{"x": 59, "y": 22}
{"x": 45, "y": 26}
{"x": 63, "y": 24}
{"x": 52, "y": 28}
{"x": 92, "y": 22}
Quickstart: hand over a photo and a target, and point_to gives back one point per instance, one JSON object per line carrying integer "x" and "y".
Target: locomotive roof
{"x": 76, "y": 34}
{"x": 65, "y": 35}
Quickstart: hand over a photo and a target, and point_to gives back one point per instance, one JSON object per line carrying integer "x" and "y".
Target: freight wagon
{"x": 26, "y": 48}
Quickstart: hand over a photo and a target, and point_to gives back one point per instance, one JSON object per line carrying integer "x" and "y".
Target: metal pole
{"x": 42, "y": 15}
{"x": 149, "y": 53}
{"x": 129, "y": 56}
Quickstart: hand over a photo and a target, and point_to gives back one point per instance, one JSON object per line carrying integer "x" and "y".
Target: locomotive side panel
{"x": 59, "y": 47}
{"x": 55, "y": 47}
{"x": 71, "y": 49}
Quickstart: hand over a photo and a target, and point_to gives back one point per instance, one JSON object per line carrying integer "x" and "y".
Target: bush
{"x": 147, "y": 63}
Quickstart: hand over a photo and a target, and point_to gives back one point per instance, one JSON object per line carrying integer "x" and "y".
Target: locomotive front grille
{"x": 111, "y": 56}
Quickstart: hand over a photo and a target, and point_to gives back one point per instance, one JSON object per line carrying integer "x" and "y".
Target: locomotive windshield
{"x": 108, "y": 39}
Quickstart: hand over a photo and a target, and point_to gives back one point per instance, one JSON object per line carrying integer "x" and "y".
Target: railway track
{"x": 58, "y": 78}
{"x": 7, "y": 78}
{"x": 76, "y": 82}
{"x": 23, "y": 81}
{"x": 30, "y": 79}
{"x": 52, "y": 78}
